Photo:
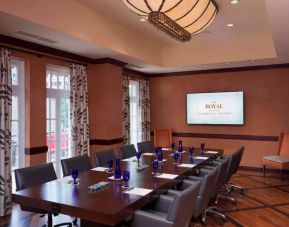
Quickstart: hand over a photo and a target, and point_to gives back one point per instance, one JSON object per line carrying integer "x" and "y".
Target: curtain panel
{"x": 144, "y": 104}
{"x": 79, "y": 110}
{"x": 125, "y": 110}
{"x": 5, "y": 133}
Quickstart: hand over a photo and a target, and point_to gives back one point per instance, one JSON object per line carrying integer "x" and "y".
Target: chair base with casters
{"x": 213, "y": 210}
{"x": 230, "y": 199}
{"x": 231, "y": 187}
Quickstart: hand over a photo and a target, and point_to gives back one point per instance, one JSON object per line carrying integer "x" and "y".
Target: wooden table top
{"x": 108, "y": 205}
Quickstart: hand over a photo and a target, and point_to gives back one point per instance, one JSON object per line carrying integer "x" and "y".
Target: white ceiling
{"x": 251, "y": 17}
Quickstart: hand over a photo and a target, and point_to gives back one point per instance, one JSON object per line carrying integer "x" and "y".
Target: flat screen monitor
{"x": 216, "y": 108}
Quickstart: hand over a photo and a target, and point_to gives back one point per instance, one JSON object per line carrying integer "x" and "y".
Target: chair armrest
{"x": 164, "y": 203}
{"x": 171, "y": 192}
{"x": 195, "y": 178}
{"x": 145, "y": 219}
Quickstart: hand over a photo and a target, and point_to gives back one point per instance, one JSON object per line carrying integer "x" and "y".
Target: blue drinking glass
{"x": 155, "y": 166}
{"x": 138, "y": 155}
{"x": 74, "y": 175}
{"x": 156, "y": 150}
{"x": 173, "y": 146}
{"x": 110, "y": 164}
{"x": 191, "y": 150}
{"x": 176, "y": 157}
{"x": 202, "y": 147}
{"x": 160, "y": 155}
{"x": 125, "y": 177}
{"x": 117, "y": 171}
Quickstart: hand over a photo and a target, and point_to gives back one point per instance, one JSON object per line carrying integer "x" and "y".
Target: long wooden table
{"x": 109, "y": 205}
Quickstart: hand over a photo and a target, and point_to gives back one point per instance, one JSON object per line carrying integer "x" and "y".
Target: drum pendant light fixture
{"x": 178, "y": 18}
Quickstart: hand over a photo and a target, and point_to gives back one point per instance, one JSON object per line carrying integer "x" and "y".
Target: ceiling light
{"x": 180, "y": 18}
{"x": 234, "y": 2}
{"x": 230, "y": 25}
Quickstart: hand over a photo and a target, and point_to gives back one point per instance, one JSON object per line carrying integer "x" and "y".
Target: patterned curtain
{"x": 5, "y": 133}
{"x": 144, "y": 104}
{"x": 79, "y": 110}
{"x": 125, "y": 110}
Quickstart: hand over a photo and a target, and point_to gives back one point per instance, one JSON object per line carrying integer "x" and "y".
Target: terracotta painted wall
{"x": 105, "y": 104}
{"x": 266, "y": 108}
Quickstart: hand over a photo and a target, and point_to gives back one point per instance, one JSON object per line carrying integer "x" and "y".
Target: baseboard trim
{"x": 35, "y": 150}
{"x": 106, "y": 141}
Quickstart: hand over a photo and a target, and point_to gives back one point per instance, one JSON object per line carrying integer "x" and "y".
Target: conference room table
{"x": 111, "y": 204}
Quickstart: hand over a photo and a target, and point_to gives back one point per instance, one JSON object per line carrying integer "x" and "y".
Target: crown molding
{"x": 109, "y": 61}
{"x": 41, "y": 50}
{"x": 223, "y": 70}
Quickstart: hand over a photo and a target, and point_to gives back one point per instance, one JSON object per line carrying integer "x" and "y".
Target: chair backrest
{"x": 221, "y": 176}
{"x": 240, "y": 153}
{"x": 101, "y": 157}
{"x": 162, "y": 137}
{"x": 82, "y": 163}
{"x": 206, "y": 191}
{"x": 127, "y": 151}
{"x": 145, "y": 147}
{"x": 180, "y": 212}
{"x": 284, "y": 145}
{"x": 34, "y": 175}
{"x": 233, "y": 162}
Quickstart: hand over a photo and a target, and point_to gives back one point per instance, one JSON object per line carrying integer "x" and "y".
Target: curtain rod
{"x": 39, "y": 54}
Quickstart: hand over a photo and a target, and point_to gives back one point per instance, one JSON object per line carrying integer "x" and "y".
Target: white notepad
{"x": 148, "y": 154}
{"x": 100, "y": 169}
{"x": 67, "y": 180}
{"x": 201, "y": 157}
{"x": 139, "y": 191}
{"x": 167, "y": 176}
{"x": 112, "y": 178}
{"x": 212, "y": 152}
{"x": 186, "y": 165}
{"x": 132, "y": 159}
{"x": 165, "y": 148}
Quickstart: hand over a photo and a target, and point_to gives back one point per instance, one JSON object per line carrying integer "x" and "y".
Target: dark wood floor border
{"x": 105, "y": 141}
{"x": 36, "y": 150}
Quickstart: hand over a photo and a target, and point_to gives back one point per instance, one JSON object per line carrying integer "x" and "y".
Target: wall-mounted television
{"x": 216, "y": 108}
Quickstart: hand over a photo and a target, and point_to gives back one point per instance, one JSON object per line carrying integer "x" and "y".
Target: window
{"x": 18, "y": 114}
{"x": 135, "y": 116}
{"x": 57, "y": 115}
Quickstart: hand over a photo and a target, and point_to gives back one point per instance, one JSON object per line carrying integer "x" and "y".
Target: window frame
{"x": 57, "y": 94}
{"x": 19, "y": 91}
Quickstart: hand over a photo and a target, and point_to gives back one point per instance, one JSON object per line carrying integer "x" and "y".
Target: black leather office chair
{"x": 171, "y": 210}
{"x": 33, "y": 176}
{"x": 101, "y": 157}
{"x": 219, "y": 182}
{"x": 207, "y": 179}
{"x": 145, "y": 147}
{"x": 82, "y": 163}
{"x": 127, "y": 151}
{"x": 235, "y": 160}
